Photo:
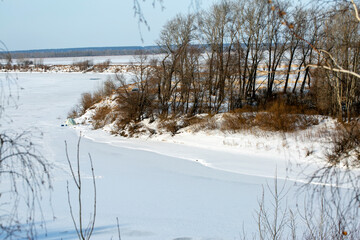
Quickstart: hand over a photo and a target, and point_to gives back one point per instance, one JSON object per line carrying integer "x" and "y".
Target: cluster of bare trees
{"x": 338, "y": 50}
{"x": 241, "y": 53}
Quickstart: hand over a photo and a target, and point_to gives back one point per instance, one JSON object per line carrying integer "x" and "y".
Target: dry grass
{"x": 346, "y": 145}
{"x": 193, "y": 120}
{"x": 101, "y": 116}
{"x": 236, "y": 121}
{"x": 101, "y": 113}
{"x": 74, "y": 112}
{"x": 276, "y": 117}
{"x": 109, "y": 87}
{"x": 86, "y": 102}
{"x": 170, "y": 125}
{"x": 101, "y": 67}
{"x": 199, "y": 123}
{"x": 135, "y": 129}
{"x": 83, "y": 65}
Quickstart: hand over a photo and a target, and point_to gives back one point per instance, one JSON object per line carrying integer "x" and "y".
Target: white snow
{"x": 191, "y": 186}
{"x": 114, "y": 60}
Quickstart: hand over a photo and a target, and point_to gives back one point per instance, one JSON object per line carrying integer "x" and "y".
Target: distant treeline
{"x": 79, "y": 52}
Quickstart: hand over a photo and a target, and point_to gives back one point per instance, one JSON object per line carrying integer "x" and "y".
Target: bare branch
{"x": 356, "y": 10}
{"x": 94, "y": 207}
{"x": 83, "y": 233}
{"x": 71, "y": 211}
{"x": 335, "y": 70}
{"x": 118, "y": 227}
{"x": 70, "y": 165}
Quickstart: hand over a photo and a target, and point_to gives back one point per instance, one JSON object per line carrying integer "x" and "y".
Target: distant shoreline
{"x": 79, "y": 52}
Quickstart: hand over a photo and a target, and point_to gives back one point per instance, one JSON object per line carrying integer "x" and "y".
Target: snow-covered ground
{"x": 202, "y": 186}
{"x": 114, "y": 60}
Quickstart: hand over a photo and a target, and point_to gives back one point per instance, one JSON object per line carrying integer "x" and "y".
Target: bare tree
{"x": 251, "y": 30}
{"x": 135, "y": 98}
{"x": 218, "y": 31}
{"x": 272, "y": 222}
{"x": 175, "y": 40}
{"x": 336, "y": 49}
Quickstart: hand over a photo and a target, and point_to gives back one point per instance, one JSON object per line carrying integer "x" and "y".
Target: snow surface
{"x": 192, "y": 186}
{"x": 114, "y": 60}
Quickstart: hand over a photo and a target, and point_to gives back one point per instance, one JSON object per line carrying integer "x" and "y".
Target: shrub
{"x": 170, "y": 125}
{"x": 101, "y": 116}
{"x": 109, "y": 87}
{"x": 278, "y": 116}
{"x": 346, "y": 145}
{"x": 233, "y": 122}
{"x": 74, "y": 112}
{"x": 83, "y": 65}
{"x": 101, "y": 67}
{"x": 86, "y": 102}
{"x": 193, "y": 120}
{"x": 135, "y": 128}
{"x": 282, "y": 117}
{"x": 207, "y": 123}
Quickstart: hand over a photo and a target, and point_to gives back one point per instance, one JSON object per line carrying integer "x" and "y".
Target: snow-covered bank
{"x": 292, "y": 151}
{"x": 149, "y": 183}
{"x": 288, "y": 153}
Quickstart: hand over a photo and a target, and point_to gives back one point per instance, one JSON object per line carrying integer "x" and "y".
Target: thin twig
{"x": 70, "y": 165}
{"x": 94, "y": 185}
{"x": 118, "y": 227}
{"x": 71, "y": 211}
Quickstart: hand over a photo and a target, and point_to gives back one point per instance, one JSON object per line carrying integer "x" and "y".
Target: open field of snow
{"x": 189, "y": 187}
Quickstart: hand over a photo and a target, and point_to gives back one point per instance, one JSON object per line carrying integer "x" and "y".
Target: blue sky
{"x": 42, "y": 24}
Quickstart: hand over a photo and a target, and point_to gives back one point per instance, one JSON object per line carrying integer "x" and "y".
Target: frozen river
{"x": 154, "y": 194}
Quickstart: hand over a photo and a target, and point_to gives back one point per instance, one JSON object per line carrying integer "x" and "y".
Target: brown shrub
{"x": 169, "y": 125}
{"x": 135, "y": 129}
{"x": 109, "y": 87}
{"x": 277, "y": 117}
{"x": 101, "y": 113}
{"x": 83, "y": 65}
{"x": 86, "y": 102}
{"x": 282, "y": 117}
{"x": 207, "y": 123}
{"x": 273, "y": 122}
{"x": 74, "y": 112}
{"x": 346, "y": 145}
{"x": 98, "y": 95}
{"x": 211, "y": 123}
{"x": 199, "y": 123}
{"x": 193, "y": 120}
{"x": 101, "y": 116}
{"x": 101, "y": 67}
{"x": 233, "y": 122}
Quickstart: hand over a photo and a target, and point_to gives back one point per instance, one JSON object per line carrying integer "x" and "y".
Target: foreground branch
{"x": 83, "y": 233}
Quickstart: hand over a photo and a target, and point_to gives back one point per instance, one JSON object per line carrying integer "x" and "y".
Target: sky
{"x": 48, "y": 24}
